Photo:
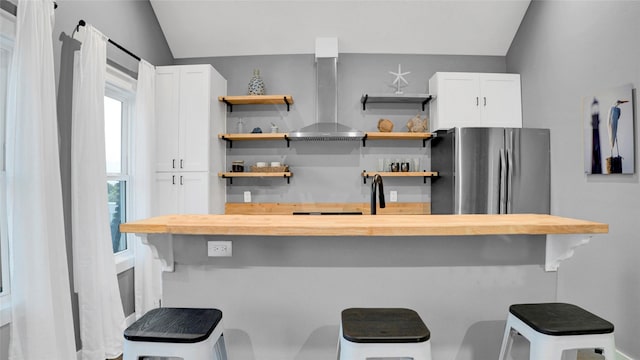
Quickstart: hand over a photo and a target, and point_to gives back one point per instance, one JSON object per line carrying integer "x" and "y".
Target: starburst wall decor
{"x": 399, "y": 80}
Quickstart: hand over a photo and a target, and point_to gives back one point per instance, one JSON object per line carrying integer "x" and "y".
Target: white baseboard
{"x": 621, "y": 356}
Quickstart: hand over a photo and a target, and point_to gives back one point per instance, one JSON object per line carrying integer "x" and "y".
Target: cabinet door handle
{"x": 181, "y": 183}
{"x": 477, "y": 101}
{"x": 173, "y": 179}
{"x": 485, "y": 100}
{"x": 182, "y": 161}
{"x": 173, "y": 163}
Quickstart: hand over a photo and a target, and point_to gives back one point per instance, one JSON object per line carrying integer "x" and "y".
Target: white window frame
{"x": 122, "y": 87}
{"x": 7, "y": 39}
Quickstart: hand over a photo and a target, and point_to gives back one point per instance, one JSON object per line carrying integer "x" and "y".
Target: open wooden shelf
{"x": 423, "y": 174}
{"x": 254, "y": 174}
{"x": 231, "y": 100}
{"x": 392, "y": 98}
{"x": 230, "y": 138}
{"x": 260, "y": 136}
{"x": 378, "y": 135}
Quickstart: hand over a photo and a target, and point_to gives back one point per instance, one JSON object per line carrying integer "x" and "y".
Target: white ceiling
{"x": 204, "y": 28}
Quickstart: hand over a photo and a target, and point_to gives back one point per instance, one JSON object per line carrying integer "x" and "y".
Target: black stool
{"x": 191, "y": 334}
{"x": 552, "y": 328}
{"x": 383, "y": 332}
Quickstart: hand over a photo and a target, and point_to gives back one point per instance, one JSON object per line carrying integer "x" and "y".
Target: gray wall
{"x": 567, "y": 50}
{"x": 133, "y": 25}
{"x": 330, "y": 171}
{"x": 282, "y": 297}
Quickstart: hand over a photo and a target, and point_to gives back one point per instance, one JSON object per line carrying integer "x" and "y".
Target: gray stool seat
{"x": 383, "y": 325}
{"x": 174, "y": 325}
{"x": 185, "y": 333}
{"x": 377, "y": 333}
{"x": 554, "y": 329}
{"x": 560, "y": 319}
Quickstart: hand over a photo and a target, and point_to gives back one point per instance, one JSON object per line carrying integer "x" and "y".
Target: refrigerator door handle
{"x": 509, "y": 199}
{"x": 503, "y": 183}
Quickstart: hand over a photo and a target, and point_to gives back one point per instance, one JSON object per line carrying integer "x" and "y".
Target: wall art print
{"x": 609, "y": 132}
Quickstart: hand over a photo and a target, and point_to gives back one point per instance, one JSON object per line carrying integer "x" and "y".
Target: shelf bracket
{"x": 364, "y": 102}
{"x": 228, "y": 178}
{"x": 229, "y": 105}
{"x": 424, "y": 141}
{"x": 364, "y": 178}
{"x": 288, "y": 179}
{"x": 364, "y": 141}
{"x": 229, "y": 141}
{"x": 288, "y": 140}
{"x": 286, "y": 102}
{"x": 425, "y": 101}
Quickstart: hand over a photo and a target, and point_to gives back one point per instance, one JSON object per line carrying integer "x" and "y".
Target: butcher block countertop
{"x": 363, "y": 225}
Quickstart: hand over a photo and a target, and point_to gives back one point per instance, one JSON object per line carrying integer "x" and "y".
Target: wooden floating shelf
{"x": 255, "y": 99}
{"x": 398, "y": 135}
{"x": 254, "y": 174}
{"x": 423, "y": 174}
{"x": 262, "y": 136}
{"x": 392, "y": 98}
{"x": 230, "y": 138}
{"x": 378, "y": 135}
{"x": 400, "y": 173}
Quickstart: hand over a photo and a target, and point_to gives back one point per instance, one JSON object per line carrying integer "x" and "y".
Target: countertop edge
{"x": 364, "y": 225}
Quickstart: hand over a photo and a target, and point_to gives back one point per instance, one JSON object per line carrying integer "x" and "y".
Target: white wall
{"x": 567, "y": 50}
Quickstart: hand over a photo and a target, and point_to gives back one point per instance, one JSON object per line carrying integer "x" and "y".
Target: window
{"x": 7, "y": 34}
{"x": 118, "y": 107}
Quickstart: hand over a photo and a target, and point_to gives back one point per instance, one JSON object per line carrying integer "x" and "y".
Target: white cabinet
{"x": 475, "y": 100}
{"x": 188, "y": 115}
{"x": 183, "y": 193}
{"x": 183, "y": 119}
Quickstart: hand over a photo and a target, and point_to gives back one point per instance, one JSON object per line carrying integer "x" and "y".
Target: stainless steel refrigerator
{"x": 490, "y": 171}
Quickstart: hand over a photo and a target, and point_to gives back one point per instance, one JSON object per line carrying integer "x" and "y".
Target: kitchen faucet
{"x": 377, "y": 180}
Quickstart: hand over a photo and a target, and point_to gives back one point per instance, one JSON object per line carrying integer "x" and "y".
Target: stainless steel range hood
{"x": 326, "y": 127}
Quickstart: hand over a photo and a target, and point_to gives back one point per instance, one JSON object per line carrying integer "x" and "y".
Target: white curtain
{"x": 101, "y": 314}
{"x": 148, "y": 285}
{"x": 41, "y": 322}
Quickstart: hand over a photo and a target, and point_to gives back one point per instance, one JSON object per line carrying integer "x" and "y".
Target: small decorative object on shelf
{"x": 274, "y": 128}
{"x": 256, "y": 130}
{"x": 397, "y": 83}
{"x": 270, "y": 169}
{"x": 417, "y": 124}
{"x": 237, "y": 166}
{"x": 256, "y": 84}
{"x": 240, "y": 126}
{"x": 385, "y": 125}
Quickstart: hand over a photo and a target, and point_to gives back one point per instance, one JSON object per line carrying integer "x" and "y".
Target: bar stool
{"x": 552, "y": 328}
{"x": 383, "y": 333}
{"x": 189, "y": 334}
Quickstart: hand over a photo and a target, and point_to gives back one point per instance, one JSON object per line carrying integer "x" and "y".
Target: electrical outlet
{"x": 393, "y": 196}
{"x": 247, "y": 196}
{"x": 219, "y": 248}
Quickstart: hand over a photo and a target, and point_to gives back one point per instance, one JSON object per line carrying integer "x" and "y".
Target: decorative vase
{"x": 256, "y": 84}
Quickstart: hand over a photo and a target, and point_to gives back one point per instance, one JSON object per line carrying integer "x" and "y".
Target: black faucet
{"x": 377, "y": 180}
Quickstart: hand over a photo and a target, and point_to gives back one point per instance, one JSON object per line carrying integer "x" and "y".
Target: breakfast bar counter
{"x": 563, "y": 234}
{"x": 364, "y": 225}
{"x": 288, "y": 277}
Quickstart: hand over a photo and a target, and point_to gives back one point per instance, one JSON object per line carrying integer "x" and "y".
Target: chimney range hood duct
{"x": 326, "y": 127}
